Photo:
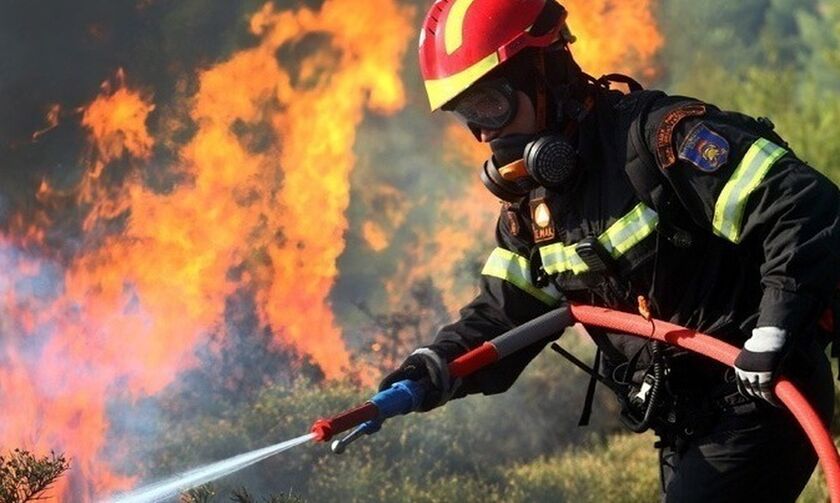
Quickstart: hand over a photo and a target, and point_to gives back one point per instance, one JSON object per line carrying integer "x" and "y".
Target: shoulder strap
{"x": 647, "y": 180}
{"x": 641, "y": 167}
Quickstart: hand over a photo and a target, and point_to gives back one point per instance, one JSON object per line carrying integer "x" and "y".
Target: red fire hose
{"x": 403, "y": 397}
{"x": 726, "y": 354}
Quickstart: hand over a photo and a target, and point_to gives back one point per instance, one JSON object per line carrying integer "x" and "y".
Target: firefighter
{"x": 704, "y": 217}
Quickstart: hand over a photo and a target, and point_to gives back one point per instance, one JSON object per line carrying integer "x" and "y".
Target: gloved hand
{"x": 425, "y": 364}
{"x": 757, "y": 365}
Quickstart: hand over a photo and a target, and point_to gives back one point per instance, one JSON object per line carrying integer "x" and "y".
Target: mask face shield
{"x": 490, "y": 105}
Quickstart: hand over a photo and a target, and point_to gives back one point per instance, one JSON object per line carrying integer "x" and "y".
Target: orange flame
{"x": 132, "y": 308}
{"x": 53, "y": 115}
{"x": 615, "y": 36}
{"x": 117, "y": 122}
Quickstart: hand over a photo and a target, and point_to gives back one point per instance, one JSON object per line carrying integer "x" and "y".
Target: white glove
{"x": 757, "y": 365}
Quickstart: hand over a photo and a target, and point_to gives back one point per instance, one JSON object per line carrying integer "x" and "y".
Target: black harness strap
{"x": 594, "y": 378}
{"x": 586, "y": 411}
{"x": 594, "y": 372}
{"x": 642, "y": 170}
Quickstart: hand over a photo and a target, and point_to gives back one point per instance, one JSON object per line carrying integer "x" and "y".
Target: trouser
{"x": 759, "y": 455}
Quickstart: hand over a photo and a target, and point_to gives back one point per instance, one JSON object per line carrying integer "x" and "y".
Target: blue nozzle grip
{"x": 401, "y": 398}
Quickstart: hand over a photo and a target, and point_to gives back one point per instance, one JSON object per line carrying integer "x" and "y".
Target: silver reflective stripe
{"x": 516, "y": 270}
{"x": 729, "y": 208}
{"x": 618, "y": 239}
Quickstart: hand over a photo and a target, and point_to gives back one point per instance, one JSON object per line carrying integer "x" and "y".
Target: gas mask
{"x": 520, "y": 162}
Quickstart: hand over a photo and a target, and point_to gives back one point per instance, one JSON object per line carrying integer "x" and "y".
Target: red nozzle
{"x": 322, "y": 430}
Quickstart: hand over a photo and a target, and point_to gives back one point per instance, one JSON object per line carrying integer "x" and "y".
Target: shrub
{"x": 24, "y": 476}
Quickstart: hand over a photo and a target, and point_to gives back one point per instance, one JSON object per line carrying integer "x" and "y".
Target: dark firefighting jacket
{"x": 730, "y": 231}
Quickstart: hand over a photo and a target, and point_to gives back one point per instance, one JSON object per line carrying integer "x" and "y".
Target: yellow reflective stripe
{"x": 555, "y": 258}
{"x": 559, "y": 258}
{"x": 630, "y": 230}
{"x": 730, "y": 205}
{"x": 454, "y": 34}
{"x": 576, "y": 264}
{"x": 442, "y": 90}
{"x": 620, "y": 237}
{"x": 516, "y": 270}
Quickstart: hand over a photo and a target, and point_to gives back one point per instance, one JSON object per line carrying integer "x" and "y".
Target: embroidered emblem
{"x": 665, "y": 155}
{"x": 541, "y": 221}
{"x": 705, "y": 149}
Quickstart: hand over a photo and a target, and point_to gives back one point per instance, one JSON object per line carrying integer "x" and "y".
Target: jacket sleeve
{"x": 507, "y": 298}
{"x": 740, "y": 180}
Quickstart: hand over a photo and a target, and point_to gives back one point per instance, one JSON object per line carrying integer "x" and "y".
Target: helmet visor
{"x": 487, "y": 105}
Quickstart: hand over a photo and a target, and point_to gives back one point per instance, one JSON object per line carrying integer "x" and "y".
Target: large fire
{"x": 132, "y": 308}
{"x": 615, "y": 36}
{"x": 263, "y": 189}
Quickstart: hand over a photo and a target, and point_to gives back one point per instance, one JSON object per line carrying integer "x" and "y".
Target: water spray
{"x": 173, "y": 486}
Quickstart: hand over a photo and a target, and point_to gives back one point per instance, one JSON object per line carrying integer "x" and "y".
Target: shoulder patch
{"x": 665, "y": 155}
{"x": 705, "y": 149}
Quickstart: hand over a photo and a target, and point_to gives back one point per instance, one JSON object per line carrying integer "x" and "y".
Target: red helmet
{"x": 463, "y": 40}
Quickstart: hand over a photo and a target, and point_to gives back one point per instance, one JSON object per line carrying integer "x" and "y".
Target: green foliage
{"x": 719, "y": 35}
{"x": 242, "y": 495}
{"x": 778, "y": 59}
{"x": 24, "y": 476}
{"x": 207, "y": 494}
{"x": 816, "y": 491}
{"x": 624, "y": 468}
